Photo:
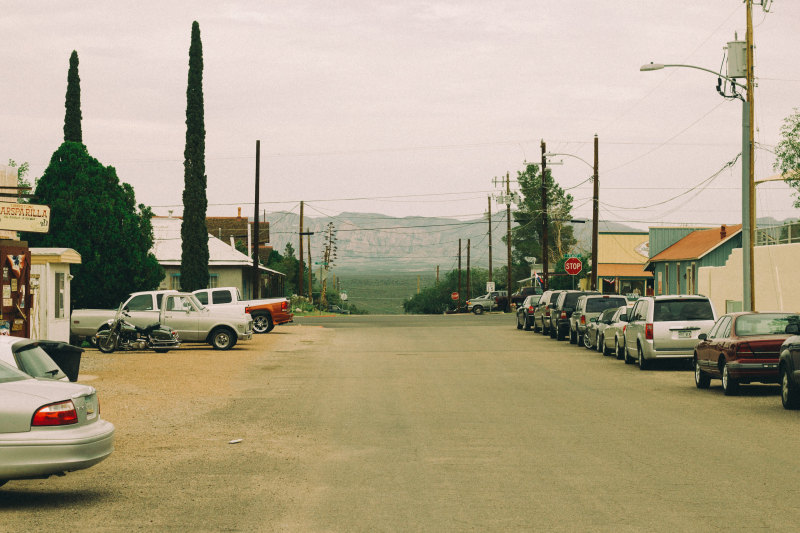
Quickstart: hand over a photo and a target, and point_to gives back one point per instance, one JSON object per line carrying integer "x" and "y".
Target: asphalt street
{"x": 431, "y": 423}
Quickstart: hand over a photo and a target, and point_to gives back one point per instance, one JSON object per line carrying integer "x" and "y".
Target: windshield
{"x": 34, "y": 361}
{"x": 9, "y": 373}
{"x": 764, "y": 324}
{"x": 676, "y": 310}
{"x": 596, "y": 305}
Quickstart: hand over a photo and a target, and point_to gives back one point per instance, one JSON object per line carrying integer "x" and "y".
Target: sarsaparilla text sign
{"x": 24, "y": 217}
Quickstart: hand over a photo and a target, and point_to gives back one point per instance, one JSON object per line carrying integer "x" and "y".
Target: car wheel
{"x": 519, "y": 323}
{"x": 628, "y": 359}
{"x": 644, "y": 364}
{"x": 587, "y": 342}
{"x": 552, "y": 331}
{"x": 262, "y": 323}
{"x": 573, "y": 336}
{"x": 527, "y": 324}
{"x": 790, "y": 396}
{"x": 701, "y": 379}
{"x": 619, "y": 350}
{"x": 223, "y": 339}
{"x": 560, "y": 335}
{"x": 729, "y": 385}
{"x": 477, "y": 309}
{"x": 536, "y": 329}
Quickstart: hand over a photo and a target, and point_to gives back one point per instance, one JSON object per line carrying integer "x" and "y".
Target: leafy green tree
{"x": 287, "y": 264}
{"x": 526, "y": 238}
{"x": 194, "y": 234}
{"x": 437, "y": 299}
{"x": 95, "y": 214}
{"x": 72, "y": 117}
{"x": 787, "y": 152}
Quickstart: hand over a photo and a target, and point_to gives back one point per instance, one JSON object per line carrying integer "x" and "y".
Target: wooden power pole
{"x": 490, "y": 239}
{"x": 595, "y": 216}
{"x": 546, "y": 284}
{"x": 300, "y": 266}
{"x": 508, "y": 237}
{"x": 469, "y": 284}
{"x": 256, "y": 280}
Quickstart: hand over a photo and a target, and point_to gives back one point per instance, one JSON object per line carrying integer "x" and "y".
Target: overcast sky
{"x": 410, "y": 101}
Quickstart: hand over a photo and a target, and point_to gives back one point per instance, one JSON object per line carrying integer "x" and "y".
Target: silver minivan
{"x": 666, "y": 327}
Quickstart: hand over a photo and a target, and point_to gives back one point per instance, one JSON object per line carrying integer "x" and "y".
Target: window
{"x": 175, "y": 282}
{"x": 142, "y": 302}
{"x": 221, "y": 297}
{"x": 60, "y": 294}
{"x": 213, "y": 282}
{"x": 672, "y": 310}
{"x": 595, "y": 305}
{"x": 666, "y": 278}
{"x": 203, "y": 297}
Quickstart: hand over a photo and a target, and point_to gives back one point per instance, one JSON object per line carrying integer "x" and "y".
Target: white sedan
{"x": 48, "y": 427}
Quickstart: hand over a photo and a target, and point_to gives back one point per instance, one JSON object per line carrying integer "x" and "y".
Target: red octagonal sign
{"x": 573, "y": 266}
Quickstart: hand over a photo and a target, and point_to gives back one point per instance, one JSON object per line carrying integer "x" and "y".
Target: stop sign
{"x": 454, "y": 295}
{"x": 573, "y": 266}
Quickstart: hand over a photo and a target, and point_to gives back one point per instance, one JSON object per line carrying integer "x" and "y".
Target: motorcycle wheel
{"x": 107, "y": 343}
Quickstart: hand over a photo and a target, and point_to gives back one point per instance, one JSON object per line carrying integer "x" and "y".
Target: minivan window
{"x": 595, "y": 305}
{"x": 674, "y": 310}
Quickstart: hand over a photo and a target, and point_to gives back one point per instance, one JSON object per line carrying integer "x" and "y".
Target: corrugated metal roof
{"x": 167, "y": 246}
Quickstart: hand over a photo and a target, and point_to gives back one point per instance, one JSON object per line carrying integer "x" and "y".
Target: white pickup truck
{"x": 221, "y": 328}
{"x": 267, "y": 313}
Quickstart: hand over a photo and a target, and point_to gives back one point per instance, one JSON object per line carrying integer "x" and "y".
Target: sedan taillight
{"x": 583, "y": 320}
{"x": 56, "y": 414}
{"x": 564, "y": 314}
{"x": 284, "y": 305}
{"x": 530, "y": 309}
{"x": 648, "y": 331}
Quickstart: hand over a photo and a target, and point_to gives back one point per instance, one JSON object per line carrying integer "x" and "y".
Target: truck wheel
{"x": 222, "y": 339}
{"x": 262, "y": 323}
{"x": 478, "y": 309}
{"x": 92, "y": 340}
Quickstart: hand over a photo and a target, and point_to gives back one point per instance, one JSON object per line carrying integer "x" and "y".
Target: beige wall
{"x": 776, "y": 286}
{"x": 226, "y": 276}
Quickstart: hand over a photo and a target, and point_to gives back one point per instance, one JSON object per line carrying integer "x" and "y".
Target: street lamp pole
{"x": 748, "y": 224}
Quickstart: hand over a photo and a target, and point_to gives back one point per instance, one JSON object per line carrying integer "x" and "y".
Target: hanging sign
{"x": 24, "y": 217}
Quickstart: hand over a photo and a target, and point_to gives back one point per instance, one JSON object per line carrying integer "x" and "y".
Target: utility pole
{"x": 300, "y": 266}
{"x": 256, "y": 279}
{"x": 490, "y": 239}
{"x": 546, "y": 283}
{"x": 595, "y": 215}
{"x": 459, "y": 269}
{"x": 469, "y": 284}
{"x": 310, "y": 271}
{"x": 508, "y": 236}
{"x": 437, "y": 274}
{"x": 750, "y": 284}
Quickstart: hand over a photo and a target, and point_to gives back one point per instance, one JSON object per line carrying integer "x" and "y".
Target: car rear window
{"x": 9, "y": 373}
{"x": 596, "y": 305}
{"x": 35, "y": 362}
{"x": 764, "y": 324}
{"x": 676, "y": 310}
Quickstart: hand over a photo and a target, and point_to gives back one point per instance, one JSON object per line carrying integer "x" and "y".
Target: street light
{"x": 595, "y": 206}
{"x": 748, "y": 186}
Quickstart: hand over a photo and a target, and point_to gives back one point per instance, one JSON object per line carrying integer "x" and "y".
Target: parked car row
{"x": 736, "y": 348}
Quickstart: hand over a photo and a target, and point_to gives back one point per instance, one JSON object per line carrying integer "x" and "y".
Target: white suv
{"x": 666, "y": 327}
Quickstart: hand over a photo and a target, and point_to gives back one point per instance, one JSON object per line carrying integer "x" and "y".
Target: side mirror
{"x": 126, "y": 308}
{"x": 702, "y": 336}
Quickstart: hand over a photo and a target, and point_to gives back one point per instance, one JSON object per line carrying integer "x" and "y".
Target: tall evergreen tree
{"x": 194, "y": 251}
{"x": 95, "y": 214}
{"x": 72, "y": 117}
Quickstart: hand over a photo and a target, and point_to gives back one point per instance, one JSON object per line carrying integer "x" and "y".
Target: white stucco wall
{"x": 777, "y": 270}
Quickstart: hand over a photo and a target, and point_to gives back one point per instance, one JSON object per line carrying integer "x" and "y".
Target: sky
{"x": 408, "y": 108}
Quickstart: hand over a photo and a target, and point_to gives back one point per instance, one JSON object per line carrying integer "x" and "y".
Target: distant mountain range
{"x": 368, "y": 241}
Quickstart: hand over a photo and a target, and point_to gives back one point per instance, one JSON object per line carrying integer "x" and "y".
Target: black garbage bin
{"x": 66, "y": 356}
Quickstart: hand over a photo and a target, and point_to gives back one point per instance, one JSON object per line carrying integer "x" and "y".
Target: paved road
{"x": 440, "y": 423}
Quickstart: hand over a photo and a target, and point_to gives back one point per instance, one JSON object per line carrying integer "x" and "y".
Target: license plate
{"x": 685, "y": 334}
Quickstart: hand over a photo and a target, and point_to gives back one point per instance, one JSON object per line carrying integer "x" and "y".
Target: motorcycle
{"x": 122, "y": 335}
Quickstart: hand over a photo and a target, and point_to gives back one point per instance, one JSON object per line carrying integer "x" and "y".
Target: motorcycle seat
{"x": 149, "y": 328}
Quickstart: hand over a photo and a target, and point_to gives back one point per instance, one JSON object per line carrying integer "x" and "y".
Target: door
{"x": 141, "y": 310}
{"x": 181, "y": 315}
{"x": 637, "y": 318}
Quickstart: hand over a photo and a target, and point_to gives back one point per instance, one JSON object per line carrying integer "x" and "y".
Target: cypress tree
{"x": 72, "y": 117}
{"x": 194, "y": 235}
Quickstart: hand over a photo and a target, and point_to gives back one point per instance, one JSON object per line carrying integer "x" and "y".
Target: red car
{"x": 742, "y": 348}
